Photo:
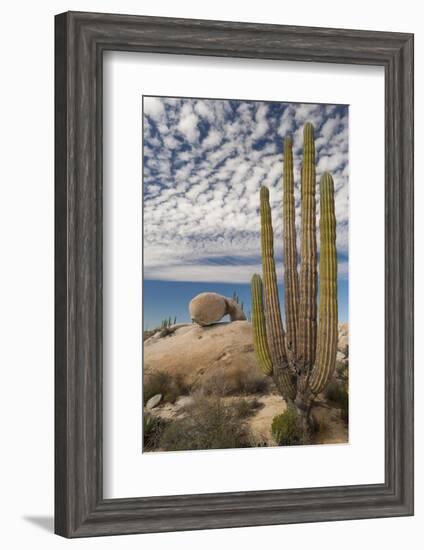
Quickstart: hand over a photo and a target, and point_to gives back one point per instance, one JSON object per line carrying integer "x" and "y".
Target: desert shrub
{"x": 285, "y": 428}
{"x": 209, "y": 424}
{"x": 251, "y": 383}
{"x": 338, "y": 394}
{"x": 170, "y": 386}
{"x": 215, "y": 384}
{"x": 342, "y": 371}
{"x": 246, "y": 407}
{"x": 235, "y": 382}
{"x": 334, "y": 392}
{"x": 148, "y": 334}
{"x": 152, "y": 431}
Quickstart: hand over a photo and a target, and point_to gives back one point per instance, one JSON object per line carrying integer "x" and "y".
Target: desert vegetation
{"x": 235, "y": 382}
{"x": 168, "y": 386}
{"x": 302, "y": 358}
{"x": 208, "y": 423}
{"x": 224, "y": 405}
{"x": 285, "y": 428}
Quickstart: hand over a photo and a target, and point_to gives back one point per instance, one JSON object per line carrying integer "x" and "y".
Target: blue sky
{"x": 204, "y": 161}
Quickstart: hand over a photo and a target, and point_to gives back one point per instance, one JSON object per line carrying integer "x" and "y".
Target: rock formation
{"x": 209, "y": 308}
{"x": 196, "y": 352}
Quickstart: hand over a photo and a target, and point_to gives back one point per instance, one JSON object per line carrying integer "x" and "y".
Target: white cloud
{"x": 330, "y": 162}
{"x": 202, "y": 195}
{"x": 187, "y": 124}
{"x": 287, "y": 122}
{"x": 329, "y": 127}
{"x": 153, "y": 106}
{"x": 170, "y": 142}
{"x": 204, "y": 109}
{"x": 213, "y": 139}
{"x": 188, "y": 127}
{"x": 261, "y": 125}
{"x": 196, "y": 190}
{"x": 204, "y": 273}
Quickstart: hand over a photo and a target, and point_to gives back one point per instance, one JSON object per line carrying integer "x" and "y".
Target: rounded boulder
{"x": 207, "y": 308}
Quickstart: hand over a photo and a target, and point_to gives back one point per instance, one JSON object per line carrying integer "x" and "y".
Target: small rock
{"x": 154, "y": 401}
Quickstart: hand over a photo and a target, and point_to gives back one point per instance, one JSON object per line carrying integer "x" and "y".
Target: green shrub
{"x": 285, "y": 428}
{"x": 170, "y": 386}
{"x": 209, "y": 424}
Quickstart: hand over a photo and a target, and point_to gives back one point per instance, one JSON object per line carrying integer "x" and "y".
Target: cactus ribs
{"x": 302, "y": 359}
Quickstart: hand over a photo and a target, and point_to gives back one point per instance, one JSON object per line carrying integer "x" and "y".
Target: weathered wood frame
{"x": 81, "y": 39}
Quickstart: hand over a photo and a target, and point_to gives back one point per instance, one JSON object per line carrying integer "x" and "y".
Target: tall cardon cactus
{"x": 302, "y": 358}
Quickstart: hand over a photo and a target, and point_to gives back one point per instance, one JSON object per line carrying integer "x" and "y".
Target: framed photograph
{"x": 234, "y": 274}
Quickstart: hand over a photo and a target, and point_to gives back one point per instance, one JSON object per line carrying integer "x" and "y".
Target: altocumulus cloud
{"x": 203, "y": 164}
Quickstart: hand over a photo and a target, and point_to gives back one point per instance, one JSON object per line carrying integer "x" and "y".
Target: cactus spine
{"x": 302, "y": 360}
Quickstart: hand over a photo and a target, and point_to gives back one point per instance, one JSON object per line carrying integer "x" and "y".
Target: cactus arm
{"x": 328, "y": 312}
{"x": 274, "y": 324}
{"x": 291, "y": 279}
{"x": 282, "y": 376}
{"x": 260, "y": 342}
{"x": 307, "y": 328}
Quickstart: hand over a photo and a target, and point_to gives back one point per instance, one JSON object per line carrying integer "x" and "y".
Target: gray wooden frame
{"x": 80, "y": 40}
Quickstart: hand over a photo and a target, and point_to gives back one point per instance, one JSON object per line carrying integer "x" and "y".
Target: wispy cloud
{"x": 204, "y": 162}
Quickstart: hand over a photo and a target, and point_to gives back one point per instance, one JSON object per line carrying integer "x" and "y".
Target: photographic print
{"x": 245, "y": 274}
